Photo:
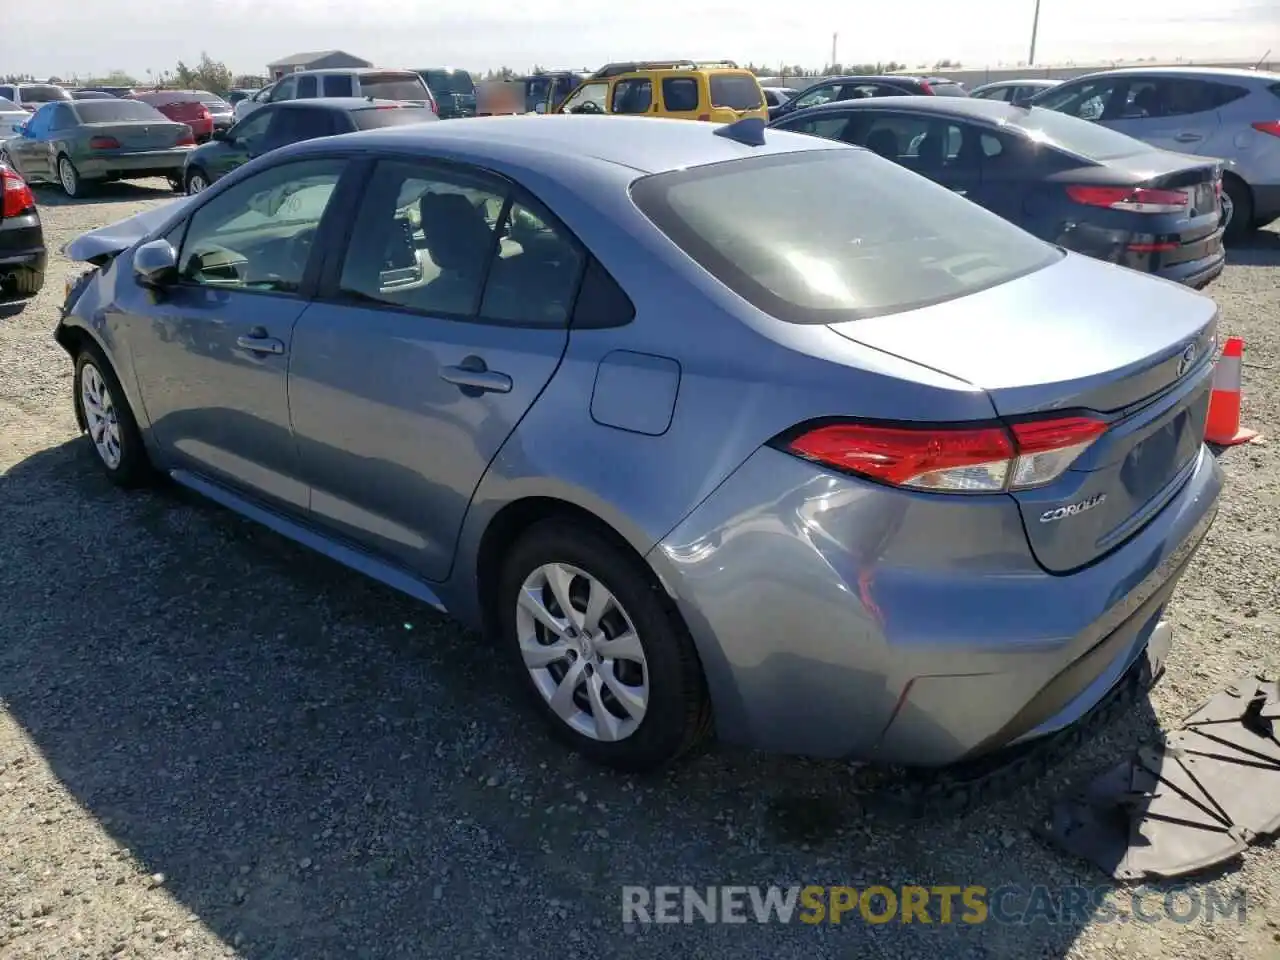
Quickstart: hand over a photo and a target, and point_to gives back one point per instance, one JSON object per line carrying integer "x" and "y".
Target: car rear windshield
{"x": 43, "y": 93}
{"x": 828, "y": 235}
{"x": 393, "y": 86}
{"x": 395, "y": 117}
{"x": 109, "y": 111}
{"x": 450, "y": 81}
{"x": 1084, "y": 138}
{"x": 735, "y": 91}
{"x": 946, "y": 88}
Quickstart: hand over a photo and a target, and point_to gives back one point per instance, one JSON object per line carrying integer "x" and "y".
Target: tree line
{"x": 216, "y": 77}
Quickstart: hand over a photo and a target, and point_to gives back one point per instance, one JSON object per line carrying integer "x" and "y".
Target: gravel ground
{"x": 213, "y": 743}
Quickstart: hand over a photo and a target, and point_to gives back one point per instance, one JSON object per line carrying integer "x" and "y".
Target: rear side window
{"x": 374, "y": 119}
{"x": 1224, "y": 93}
{"x": 735, "y": 91}
{"x": 338, "y": 85}
{"x": 1089, "y": 140}
{"x": 830, "y": 235}
{"x": 393, "y": 86}
{"x": 680, "y": 94}
{"x": 109, "y": 111}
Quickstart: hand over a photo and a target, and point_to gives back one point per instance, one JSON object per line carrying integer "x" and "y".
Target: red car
{"x": 184, "y": 106}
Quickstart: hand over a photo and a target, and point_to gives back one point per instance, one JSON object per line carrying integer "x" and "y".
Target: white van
{"x": 404, "y": 85}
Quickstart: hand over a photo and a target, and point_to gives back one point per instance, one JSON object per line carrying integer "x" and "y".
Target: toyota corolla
{"x": 705, "y": 428}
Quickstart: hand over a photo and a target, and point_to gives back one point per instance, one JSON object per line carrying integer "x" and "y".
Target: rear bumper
{"x": 123, "y": 166}
{"x": 22, "y": 245}
{"x": 845, "y": 619}
{"x": 1194, "y": 264}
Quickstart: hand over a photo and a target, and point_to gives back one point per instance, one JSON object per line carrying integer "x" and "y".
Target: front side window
{"x": 257, "y": 236}
{"x": 823, "y": 94}
{"x": 284, "y": 90}
{"x": 62, "y": 118}
{"x": 632, "y": 95}
{"x": 588, "y": 98}
{"x": 826, "y": 236}
{"x": 38, "y": 125}
{"x": 1086, "y": 100}
{"x": 251, "y": 132}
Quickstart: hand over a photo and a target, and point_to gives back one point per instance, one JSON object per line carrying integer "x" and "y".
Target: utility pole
{"x": 1035, "y": 26}
{"x": 834, "y": 38}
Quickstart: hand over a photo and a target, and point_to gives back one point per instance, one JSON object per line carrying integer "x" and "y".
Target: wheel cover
{"x": 196, "y": 184}
{"x": 583, "y": 652}
{"x": 100, "y": 416}
{"x": 67, "y": 174}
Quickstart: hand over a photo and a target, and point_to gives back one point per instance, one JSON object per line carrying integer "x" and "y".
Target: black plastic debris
{"x": 1192, "y": 801}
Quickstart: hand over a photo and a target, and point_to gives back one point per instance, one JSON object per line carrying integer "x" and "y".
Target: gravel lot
{"x": 213, "y": 743}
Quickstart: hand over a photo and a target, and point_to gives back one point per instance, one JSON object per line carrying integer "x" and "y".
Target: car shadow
{"x": 120, "y": 191}
{"x": 322, "y": 767}
{"x": 1260, "y": 250}
{"x": 11, "y": 308}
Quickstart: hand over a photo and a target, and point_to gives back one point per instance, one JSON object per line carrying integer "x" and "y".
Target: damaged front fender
{"x": 105, "y": 243}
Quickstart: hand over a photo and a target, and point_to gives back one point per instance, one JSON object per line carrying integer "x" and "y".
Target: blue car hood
{"x": 108, "y": 241}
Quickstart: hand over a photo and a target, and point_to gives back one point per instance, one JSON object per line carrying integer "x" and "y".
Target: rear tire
{"x": 26, "y": 283}
{"x": 636, "y": 658}
{"x": 69, "y": 178}
{"x": 1241, "y": 227}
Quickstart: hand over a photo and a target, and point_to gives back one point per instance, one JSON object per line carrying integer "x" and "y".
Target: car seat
{"x": 883, "y": 142}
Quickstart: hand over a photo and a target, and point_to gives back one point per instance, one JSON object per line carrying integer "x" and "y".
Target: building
{"x": 316, "y": 60}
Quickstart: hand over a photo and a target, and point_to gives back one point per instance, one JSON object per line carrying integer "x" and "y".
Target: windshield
{"x": 1081, "y": 137}
{"x": 735, "y": 91}
{"x": 393, "y": 86}
{"x": 445, "y": 82}
{"x": 109, "y": 111}
{"x": 824, "y": 236}
{"x": 43, "y": 93}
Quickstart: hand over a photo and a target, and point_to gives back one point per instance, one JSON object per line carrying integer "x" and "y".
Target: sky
{"x": 80, "y": 37}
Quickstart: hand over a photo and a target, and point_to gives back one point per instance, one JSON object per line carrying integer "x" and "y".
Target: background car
{"x": 32, "y": 96}
{"x": 246, "y": 105}
{"x": 824, "y": 418}
{"x": 715, "y": 91}
{"x": 12, "y": 117}
{"x": 858, "y": 88}
{"x": 1209, "y": 112}
{"x": 1013, "y": 91}
{"x": 777, "y": 96}
{"x": 1082, "y": 187}
{"x": 381, "y": 84}
{"x": 453, "y": 90}
{"x": 92, "y": 95}
{"x": 22, "y": 251}
{"x": 181, "y": 106}
{"x": 279, "y": 124}
{"x": 76, "y": 144}
{"x": 120, "y": 92}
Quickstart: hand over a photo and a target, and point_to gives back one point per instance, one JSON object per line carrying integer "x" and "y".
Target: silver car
{"x": 1230, "y": 114}
{"x": 701, "y": 426}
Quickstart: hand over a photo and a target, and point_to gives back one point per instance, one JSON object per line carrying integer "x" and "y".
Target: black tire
{"x": 678, "y": 712}
{"x": 74, "y": 186}
{"x": 133, "y": 468}
{"x": 193, "y": 174}
{"x": 1241, "y": 228}
{"x": 26, "y": 283}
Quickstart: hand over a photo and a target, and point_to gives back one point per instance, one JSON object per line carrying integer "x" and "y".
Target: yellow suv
{"x": 720, "y": 91}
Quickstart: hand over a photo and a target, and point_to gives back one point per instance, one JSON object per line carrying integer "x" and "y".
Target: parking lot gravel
{"x": 214, "y": 743}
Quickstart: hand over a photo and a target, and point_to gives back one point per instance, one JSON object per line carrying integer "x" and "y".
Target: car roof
{"x": 967, "y": 107}
{"x": 345, "y": 103}
{"x": 355, "y": 71}
{"x": 1238, "y": 73}
{"x": 1025, "y": 82}
{"x": 643, "y": 144}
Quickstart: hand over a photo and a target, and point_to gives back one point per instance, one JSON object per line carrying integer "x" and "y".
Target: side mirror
{"x": 219, "y": 135}
{"x": 155, "y": 263}
{"x": 540, "y": 107}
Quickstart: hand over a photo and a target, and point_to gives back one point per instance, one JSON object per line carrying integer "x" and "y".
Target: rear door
{"x": 1178, "y": 114}
{"x": 428, "y": 342}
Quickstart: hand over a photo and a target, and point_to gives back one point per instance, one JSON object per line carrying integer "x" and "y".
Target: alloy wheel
{"x": 582, "y": 651}
{"x": 67, "y": 176}
{"x": 196, "y": 183}
{"x": 100, "y": 416}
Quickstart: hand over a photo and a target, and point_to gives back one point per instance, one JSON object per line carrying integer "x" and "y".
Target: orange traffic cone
{"x": 1222, "y": 426}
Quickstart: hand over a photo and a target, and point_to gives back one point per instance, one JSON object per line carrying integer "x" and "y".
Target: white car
{"x": 12, "y": 117}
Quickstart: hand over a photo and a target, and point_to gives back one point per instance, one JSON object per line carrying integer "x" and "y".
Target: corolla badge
{"x": 1072, "y": 510}
{"x": 1187, "y": 360}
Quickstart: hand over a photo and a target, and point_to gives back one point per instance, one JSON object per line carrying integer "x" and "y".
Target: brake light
{"x": 187, "y": 139}
{"x": 18, "y": 198}
{"x": 1268, "y": 126}
{"x": 104, "y": 143}
{"x": 202, "y": 113}
{"x": 925, "y": 88}
{"x": 1131, "y": 199}
{"x": 952, "y": 459}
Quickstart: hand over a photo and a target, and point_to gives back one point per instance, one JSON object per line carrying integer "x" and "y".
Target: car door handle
{"x": 1188, "y": 137}
{"x": 472, "y": 374}
{"x": 260, "y": 344}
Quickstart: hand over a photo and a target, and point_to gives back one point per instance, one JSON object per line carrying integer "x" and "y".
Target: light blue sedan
{"x": 703, "y": 427}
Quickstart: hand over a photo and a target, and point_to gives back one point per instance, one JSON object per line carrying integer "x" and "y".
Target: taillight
{"x": 202, "y": 113}
{"x": 18, "y": 198}
{"x": 104, "y": 143}
{"x": 187, "y": 139}
{"x": 1268, "y": 126}
{"x": 1131, "y": 199}
{"x": 926, "y": 89}
{"x": 952, "y": 459}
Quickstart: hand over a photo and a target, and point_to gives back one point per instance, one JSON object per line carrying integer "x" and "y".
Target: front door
{"x": 30, "y": 149}
{"x": 212, "y": 351}
{"x": 435, "y": 332}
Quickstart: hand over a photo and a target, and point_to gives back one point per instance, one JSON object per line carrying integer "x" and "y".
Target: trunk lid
{"x": 136, "y": 136}
{"x": 1079, "y": 336}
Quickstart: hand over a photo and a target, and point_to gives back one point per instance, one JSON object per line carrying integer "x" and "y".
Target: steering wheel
{"x": 587, "y": 106}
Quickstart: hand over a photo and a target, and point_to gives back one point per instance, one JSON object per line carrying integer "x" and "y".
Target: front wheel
{"x": 104, "y": 414}
{"x": 611, "y": 668}
{"x": 197, "y": 181}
